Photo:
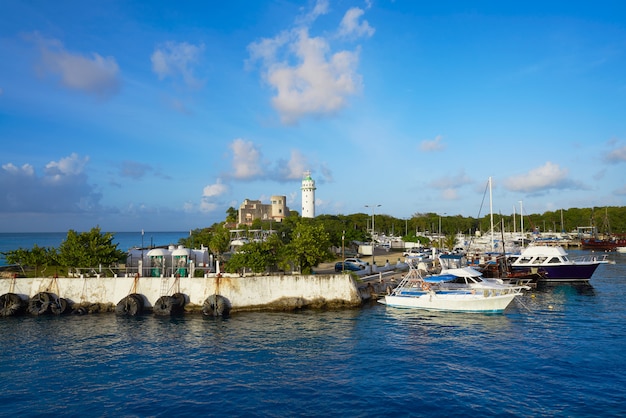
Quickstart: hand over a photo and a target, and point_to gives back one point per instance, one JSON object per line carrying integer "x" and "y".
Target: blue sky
{"x": 160, "y": 115}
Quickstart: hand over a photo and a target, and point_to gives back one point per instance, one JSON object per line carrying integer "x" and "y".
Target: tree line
{"x": 607, "y": 220}
{"x": 79, "y": 250}
{"x": 302, "y": 243}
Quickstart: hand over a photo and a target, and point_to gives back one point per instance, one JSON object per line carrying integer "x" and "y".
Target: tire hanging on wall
{"x": 180, "y": 300}
{"x": 163, "y": 306}
{"x": 40, "y": 303}
{"x": 216, "y": 305}
{"x": 60, "y": 307}
{"x": 12, "y": 305}
{"x": 131, "y": 305}
{"x": 170, "y": 305}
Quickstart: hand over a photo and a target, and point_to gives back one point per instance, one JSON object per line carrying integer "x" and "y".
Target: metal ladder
{"x": 164, "y": 286}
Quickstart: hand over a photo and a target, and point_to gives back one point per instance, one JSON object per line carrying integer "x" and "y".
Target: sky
{"x": 161, "y": 115}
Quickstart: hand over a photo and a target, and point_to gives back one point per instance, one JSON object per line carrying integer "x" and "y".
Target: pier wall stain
{"x": 244, "y": 293}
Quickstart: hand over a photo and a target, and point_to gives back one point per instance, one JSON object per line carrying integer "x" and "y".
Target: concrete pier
{"x": 257, "y": 292}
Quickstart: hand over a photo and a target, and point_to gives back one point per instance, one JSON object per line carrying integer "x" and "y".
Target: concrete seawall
{"x": 283, "y": 292}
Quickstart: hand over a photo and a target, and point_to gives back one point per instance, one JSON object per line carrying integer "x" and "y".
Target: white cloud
{"x": 207, "y": 207}
{"x": 295, "y": 167}
{"x": 616, "y": 155}
{"x": 318, "y": 85}
{"x": 95, "y": 75}
{"x": 173, "y": 59}
{"x": 213, "y": 190}
{"x": 321, "y": 8}
{"x": 452, "y": 182}
{"x": 68, "y": 166}
{"x": 351, "y": 27}
{"x": 449, "y": 194}
{"x": 26, "y": 169}
{"x": 267, "y": 49}
{"x": 62, "y": 189}
{"x": 246, "y": 159}
{"x": 548, "y": 176}
{"x": 308, "y": 77}
{"x": 432, "y": 145}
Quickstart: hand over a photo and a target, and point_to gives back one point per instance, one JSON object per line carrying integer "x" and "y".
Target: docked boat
{"x": 454, "y": 289}
{"x": 497, "y": 266}
{"x": 608, "y": 244}
{"x": 553, "y": 264}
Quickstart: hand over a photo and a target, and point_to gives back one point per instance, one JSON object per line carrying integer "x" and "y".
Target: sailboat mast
{"x": 514, "y": 226}
{"x": 521, "y": 215}
{"x": 491, "y": 212}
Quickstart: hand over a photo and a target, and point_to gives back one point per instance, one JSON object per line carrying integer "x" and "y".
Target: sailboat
{"x": 610, "y": 243}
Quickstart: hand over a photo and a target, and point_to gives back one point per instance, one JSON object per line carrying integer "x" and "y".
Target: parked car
{"x": 412, "y": 252}
{"x": 341, "y": 266}
{"x": 357, "y": 261}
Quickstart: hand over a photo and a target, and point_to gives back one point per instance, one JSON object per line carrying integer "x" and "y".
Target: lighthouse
{"x": 308, "y": 196}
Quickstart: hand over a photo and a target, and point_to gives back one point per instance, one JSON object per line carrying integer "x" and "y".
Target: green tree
{"x": 449, "y": 242}
{"x": 220, "y": 240}
{"x": 36, "y": 257}
{"x": 256, "y": 256}
{"x": 232, "y": 215}
{"x": 197, "y": 238}
{"x": 309, "y": 246}
{"x": 89, "y": 249}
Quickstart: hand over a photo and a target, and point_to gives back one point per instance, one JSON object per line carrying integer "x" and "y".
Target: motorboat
{"x": 553, "y": 264}
{"x": 454, "y": 289}
{"x": 497, "y": 266}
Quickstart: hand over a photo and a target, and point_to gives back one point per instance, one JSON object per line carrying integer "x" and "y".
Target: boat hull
{"x": 602, "y": 244}
{"x": 481, "y": 301}
{"x": 564, "y": 273}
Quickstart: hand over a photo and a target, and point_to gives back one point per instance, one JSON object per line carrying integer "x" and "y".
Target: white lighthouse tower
{"x": 308, "y": 196}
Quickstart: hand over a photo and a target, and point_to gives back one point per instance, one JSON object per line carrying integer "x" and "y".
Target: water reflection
{"x": 447, "y": 319}
{"x": 567, "y": 288}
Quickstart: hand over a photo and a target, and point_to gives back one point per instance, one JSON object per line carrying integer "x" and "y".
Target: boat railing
{"x": 413, "y": 283}
{"x": 591, "y": 258}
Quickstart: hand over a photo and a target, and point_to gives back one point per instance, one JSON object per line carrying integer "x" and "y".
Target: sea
{"x": 557, "y": 351}
{"x": 124, "y": 240}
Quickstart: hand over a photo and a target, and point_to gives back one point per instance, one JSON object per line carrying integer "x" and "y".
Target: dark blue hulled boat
{"x": 552, "y": 264}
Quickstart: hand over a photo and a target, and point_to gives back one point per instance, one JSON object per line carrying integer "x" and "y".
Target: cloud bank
{"x": 309, "y": 78}
{"x": 62, "y": 188}
{"x": 540, "y": 179}
{"x": 94, "y": 75}
{"x": 177, "y": 61}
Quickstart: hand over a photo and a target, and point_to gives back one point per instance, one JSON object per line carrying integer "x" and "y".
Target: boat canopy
{"x": 452, "y": 274}
{"x": 440, "y": 278}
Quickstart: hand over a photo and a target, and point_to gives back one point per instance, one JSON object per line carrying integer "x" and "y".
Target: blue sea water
{"x": 124, "y": 240}
{"x": 557, "y": 351}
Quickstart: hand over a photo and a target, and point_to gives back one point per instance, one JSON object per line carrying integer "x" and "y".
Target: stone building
{"x": 276, "y": 211}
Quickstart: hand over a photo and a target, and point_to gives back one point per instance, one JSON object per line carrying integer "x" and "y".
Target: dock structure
{"x": 240, "y": 293}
